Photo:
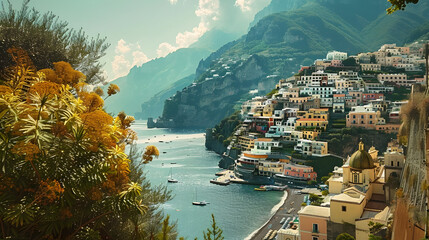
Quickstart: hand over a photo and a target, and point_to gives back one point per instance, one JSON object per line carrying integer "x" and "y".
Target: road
{"x": 293, "y": 201}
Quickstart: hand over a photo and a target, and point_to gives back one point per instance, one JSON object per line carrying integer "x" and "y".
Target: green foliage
{"x": 274, "y": 91}
{"x": 47, "y": 40}
{"x": 213, "y": 233}
{"x": 325, "y": 192}
{"x": 324, "y": 179}
{"x": 399, "y": 5}
{"x": 303, "y": 204}
{"x": 311, "y": 182}
{"x": 375, "y": 228}
{"x": 345, "y": 236}
{"x": 350, "y": 62}
{"x": 315, "y": 199}
{"x": 63, "y": 170}
{"x": 399, "y": 94}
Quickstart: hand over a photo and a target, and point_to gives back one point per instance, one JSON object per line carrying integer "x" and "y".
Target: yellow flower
{"x": 91, "y": 101}
{"x": 26, "y": 149}
{"x": 113, "y": 89}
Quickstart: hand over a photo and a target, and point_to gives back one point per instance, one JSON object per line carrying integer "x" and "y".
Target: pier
{"x": 226, "y": 177}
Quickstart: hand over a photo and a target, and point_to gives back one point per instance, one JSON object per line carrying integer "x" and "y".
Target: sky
{"x": 141, "y": 30}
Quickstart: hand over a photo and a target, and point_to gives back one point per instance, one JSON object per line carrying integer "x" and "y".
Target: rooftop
{"x": 343, "y": 197}
{"x": 315, "y": 211}
{"x": 312, "y": 119}
{"x": 264, "y": 140}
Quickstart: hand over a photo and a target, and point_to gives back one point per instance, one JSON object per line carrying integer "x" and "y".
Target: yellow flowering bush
{"x": 62, "y": 163}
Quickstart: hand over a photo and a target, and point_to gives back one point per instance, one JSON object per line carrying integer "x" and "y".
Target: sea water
{"x": 238, "y": 209}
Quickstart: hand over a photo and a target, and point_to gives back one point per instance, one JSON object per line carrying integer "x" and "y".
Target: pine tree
{"x": 213, "y": 233}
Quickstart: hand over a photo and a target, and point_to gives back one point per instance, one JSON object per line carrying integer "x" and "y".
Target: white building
{"x": 312, "y": 148}
{"x": 335, "y": 55}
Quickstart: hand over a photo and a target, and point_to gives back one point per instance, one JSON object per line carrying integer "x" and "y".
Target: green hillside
{"x": 285, "y": 41}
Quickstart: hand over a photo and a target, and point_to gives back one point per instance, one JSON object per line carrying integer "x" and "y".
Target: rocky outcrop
{"x": 204, "y": 104}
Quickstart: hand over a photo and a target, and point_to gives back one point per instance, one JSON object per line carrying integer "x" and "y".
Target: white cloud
{"x": 207, "y": 9}
{"x": 208, "y": 12}
{"x": 120, "y": 66}
{"x": 164, "y": 49}
{"x": 127, "y": 56}
{"x": 122, "y": 47}
{"x": 139, "y": 58}
{"x": 173, "y": 2}
{"x": 244, "y": 5}
{"x": 187, "y": 38}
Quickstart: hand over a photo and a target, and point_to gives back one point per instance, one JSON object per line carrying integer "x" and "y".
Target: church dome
{"x": 361, "y": 159}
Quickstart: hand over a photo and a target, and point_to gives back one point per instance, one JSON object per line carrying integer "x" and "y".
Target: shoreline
{"x": 273, "y": 212}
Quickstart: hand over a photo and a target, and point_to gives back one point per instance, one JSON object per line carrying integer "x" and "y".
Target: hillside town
{"x": 283, "y": 130}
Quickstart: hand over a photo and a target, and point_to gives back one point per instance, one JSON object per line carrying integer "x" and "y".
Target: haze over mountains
{"x": 280, "y": 41}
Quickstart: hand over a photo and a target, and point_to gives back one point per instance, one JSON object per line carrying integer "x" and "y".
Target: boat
{"x": 202, "y": 203}
{"x": 274, "y": 188}
{"x": 171, "y": 179}
{"x": 199, "y": 203}
{"x": 261, "y": 188}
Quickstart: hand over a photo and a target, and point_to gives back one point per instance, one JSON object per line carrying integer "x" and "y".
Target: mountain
{"x": 154, "y": 106}
{"x": 145, "y": 81}
{"x": 161, "y": 74}
{"x": 278, "y": 45}
{"x": 276, "y": 6}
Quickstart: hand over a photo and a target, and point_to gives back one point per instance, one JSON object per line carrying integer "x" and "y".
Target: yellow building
{"x": 311, "y": 135}
{"x": 318, "y": 113}
{"x": 246, "y": 142}
{"x": 306, "y": 123}
{"x": 360, "y": 195}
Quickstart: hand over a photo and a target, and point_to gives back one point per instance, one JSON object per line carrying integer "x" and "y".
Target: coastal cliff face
{"x": 205, "y": 103}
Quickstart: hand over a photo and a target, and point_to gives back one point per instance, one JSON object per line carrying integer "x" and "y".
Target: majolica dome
{"x": 361, "y": 159}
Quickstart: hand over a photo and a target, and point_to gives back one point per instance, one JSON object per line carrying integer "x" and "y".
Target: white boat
{"x": 202, "y": 203}
{"x": 199, "y": 203}
{"x": 171, "y": 179}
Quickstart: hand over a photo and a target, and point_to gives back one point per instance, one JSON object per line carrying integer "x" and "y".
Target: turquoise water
{"x": 237, "y": 208}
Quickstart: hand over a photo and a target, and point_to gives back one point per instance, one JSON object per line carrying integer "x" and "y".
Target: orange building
{"x": 363, "y": 116}
{"x": 313, "y": 222}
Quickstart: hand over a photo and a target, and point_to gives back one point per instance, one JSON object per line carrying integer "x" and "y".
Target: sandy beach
{"x": 292, "y": 200}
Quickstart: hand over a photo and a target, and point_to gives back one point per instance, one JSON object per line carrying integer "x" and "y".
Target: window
{"x": 344, "y": 208}
{"x": 315, "y": 228}
{"x": 315, "y": 238}
{"x": 398, "y": 163}
{"x": 391, "y": 163}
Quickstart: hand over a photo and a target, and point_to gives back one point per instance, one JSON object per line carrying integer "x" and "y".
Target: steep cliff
{"x": 209, "y": 100}
{"x": 283, "y": 42}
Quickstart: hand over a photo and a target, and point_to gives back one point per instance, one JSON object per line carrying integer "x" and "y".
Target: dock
{"x": 226, "y": 177}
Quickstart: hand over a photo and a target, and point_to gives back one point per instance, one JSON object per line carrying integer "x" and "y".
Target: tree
{"x": 213, "y": 233}
{"x": 374, "y": 229}
{"x": 325, "y": 192}
{"x": 311, "y": 182}
{"x": 345, "y": 236}
{"x": 324, "y": 179}
{"x": 399, "y": 5}
{"x": 350, "y": 62}
{"x": 47, "y": 40}
{"x": 64, "y": 173}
